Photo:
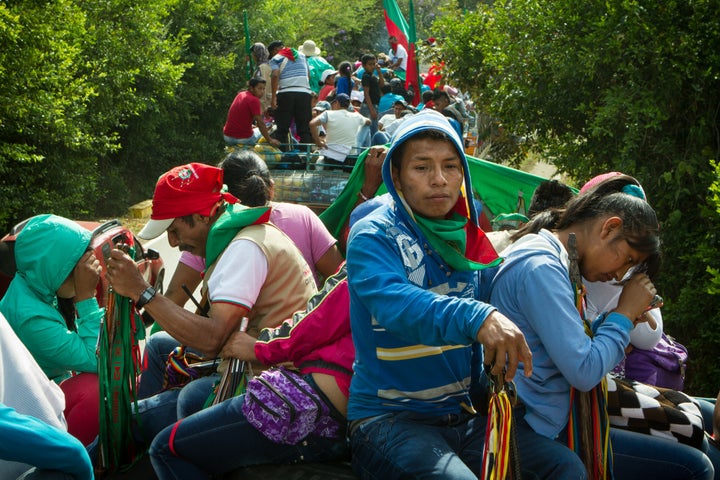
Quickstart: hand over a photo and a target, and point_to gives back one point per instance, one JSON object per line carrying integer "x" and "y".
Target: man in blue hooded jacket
{"x": 414, "y": 279}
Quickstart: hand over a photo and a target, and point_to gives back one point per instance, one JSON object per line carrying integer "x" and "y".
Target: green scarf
{"x": 449, "y": 238}
{"x": 233, "y": 219}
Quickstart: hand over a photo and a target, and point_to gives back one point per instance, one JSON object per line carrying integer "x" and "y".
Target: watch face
{"x": 145, "y": 297}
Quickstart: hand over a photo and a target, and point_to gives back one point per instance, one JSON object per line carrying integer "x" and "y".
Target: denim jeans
{"x": 713, "y": 453}
{"x": 156, "y": 409}
{"x": 250, "y": 141}
{"x": 380, "y": 138}
{"x": 636, "y": 455}
{"x": 365, "y": 112}
{"x": 707, "y": 409}
{"x": 219, "y": 439}
{"x": 155, "y": 413}
{"x": 194, "y": 395}
{"x": 410, "y": 445}
{"x": 157, "y": 348}
{"x": 363, "y": 139}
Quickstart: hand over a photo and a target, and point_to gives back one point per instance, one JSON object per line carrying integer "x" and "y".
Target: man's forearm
{"x": 314, "y": 130}
{"x": 263, "y": 129}
{"x": 201, "y": 333}
{"x": 274, "y": 82}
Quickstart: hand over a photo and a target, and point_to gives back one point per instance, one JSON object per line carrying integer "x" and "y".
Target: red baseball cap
{"x": 185, "y": 190}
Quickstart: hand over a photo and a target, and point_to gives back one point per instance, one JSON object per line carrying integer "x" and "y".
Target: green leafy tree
{"x": 74, "y": 73}
{"x": 42, "y": 108}
{"x": 628, "y": 86}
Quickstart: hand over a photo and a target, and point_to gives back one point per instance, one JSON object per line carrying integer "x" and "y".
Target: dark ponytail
{"x": 247, "y": 177}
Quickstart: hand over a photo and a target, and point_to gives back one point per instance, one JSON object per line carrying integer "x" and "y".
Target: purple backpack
{"x": 663, "y": 366}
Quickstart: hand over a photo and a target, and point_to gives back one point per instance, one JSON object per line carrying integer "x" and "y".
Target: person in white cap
{"x": 316, "y": 64}
{"x": 327, "y": 79}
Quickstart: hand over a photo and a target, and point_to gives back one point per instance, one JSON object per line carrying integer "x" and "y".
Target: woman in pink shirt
{"x": 248, "y": 178}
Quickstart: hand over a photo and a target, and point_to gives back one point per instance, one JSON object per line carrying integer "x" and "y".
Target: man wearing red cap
{"x": 254, "y": 270}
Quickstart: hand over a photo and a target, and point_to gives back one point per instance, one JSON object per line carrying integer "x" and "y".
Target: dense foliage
{"x": 616, "y": 85}
{"x": 99, "y": 98}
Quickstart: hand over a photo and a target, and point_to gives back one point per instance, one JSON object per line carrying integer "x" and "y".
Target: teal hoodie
{"x": 46, "y": 251}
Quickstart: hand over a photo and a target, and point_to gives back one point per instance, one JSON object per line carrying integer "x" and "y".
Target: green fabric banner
{"x": 501, "y": 190}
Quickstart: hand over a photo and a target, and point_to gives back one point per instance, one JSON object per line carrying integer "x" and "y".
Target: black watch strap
{"x": 145, "y": 297}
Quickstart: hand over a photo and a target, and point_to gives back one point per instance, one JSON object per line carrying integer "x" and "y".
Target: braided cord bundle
{"x": 118, "y": 370}
{"x": 233, "y": 381}
{"x": 500, "y": 455}
{"x": 589, "y": 423}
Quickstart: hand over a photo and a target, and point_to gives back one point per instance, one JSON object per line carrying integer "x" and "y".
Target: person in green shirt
{"x": 52, "y": 308}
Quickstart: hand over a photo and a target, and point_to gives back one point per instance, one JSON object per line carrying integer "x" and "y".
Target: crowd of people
{"x": 296, "y": 96}
{"x": 376, "y": 351}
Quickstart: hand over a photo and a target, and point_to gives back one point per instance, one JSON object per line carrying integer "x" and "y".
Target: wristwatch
{"x": 145, "y": 297}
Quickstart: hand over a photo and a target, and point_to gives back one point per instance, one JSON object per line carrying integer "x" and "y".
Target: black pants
{"x": 293, "y": 105}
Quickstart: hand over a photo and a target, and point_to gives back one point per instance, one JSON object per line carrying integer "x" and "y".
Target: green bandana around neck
{"x": 449, "y": 238}
{"x": 231, "y": 221}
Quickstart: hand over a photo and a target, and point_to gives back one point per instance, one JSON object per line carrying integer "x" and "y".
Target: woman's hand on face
{"x": 636, "y": 295}
{"x": 86, "y": 274}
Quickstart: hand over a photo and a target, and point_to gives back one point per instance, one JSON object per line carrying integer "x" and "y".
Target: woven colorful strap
{"x": 500, "y": 455}
{"x": 589, "y": 423}
{"x": 118, "y": 370}
{"x": 178, "y": 371}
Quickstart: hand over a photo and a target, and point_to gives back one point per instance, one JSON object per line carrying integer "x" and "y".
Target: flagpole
{"x": 412, "y": 44}
{"x": 248, "y": 46}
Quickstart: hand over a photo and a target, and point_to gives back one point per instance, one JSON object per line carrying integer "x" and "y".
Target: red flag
{"x": 395, "y": 22}
{"x": 398, "y": 27}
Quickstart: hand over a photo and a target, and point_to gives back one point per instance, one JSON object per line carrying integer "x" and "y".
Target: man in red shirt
{"x": 244, "y": 112}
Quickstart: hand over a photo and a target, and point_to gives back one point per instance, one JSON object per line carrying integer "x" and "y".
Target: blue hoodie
{"x": 413, "y": 318}
{"x": 533, "y": 288}
{"x": 31, "y": 441}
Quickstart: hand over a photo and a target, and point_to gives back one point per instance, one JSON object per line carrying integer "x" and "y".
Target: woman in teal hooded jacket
{"x": 51, "y": 306}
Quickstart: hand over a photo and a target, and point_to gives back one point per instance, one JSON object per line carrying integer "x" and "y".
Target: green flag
{"x": 248, "y": 46}
{"x": 500, "y": 189}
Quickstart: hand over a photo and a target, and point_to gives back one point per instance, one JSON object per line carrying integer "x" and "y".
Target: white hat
{"x": 451, "y": 91}
{"x": 357, "y": 95}
{"x": 326, "y": 74}
{"x": 309, "y": 49}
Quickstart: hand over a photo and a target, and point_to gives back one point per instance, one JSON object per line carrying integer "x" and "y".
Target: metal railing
{"x": 303, "y": 175}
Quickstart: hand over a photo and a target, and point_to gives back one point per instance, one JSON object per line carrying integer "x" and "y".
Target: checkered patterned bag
{"x": 656, "y": 411}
